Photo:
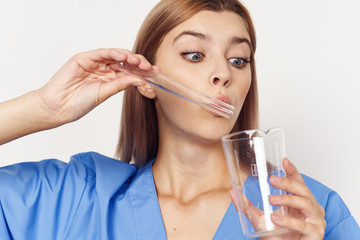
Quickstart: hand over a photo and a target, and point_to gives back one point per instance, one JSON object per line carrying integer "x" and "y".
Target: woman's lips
{"x": 224, "y": 99}
{"x": 221, "y": 98}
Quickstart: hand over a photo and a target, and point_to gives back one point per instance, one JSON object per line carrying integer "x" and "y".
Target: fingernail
{"x": 146, "y": 64}
{"x": 138, "y": 84}
{"x": 275, "y": 198}
{"x": 276, "y": 179}
{"x": 276, "y": 218}
{"x": 156, "y": 69}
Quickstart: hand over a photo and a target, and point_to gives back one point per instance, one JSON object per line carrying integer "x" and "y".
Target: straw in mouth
{"x": 178, "y": 89}
{"x": 212, "y": 104}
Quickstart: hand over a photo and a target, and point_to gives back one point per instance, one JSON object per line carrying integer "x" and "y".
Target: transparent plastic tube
{"x": 180, "y": 90}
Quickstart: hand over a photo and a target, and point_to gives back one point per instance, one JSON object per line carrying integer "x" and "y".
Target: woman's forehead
{"x": 211, "y": 24}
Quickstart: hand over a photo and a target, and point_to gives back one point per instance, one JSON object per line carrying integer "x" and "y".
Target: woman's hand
{"x": 84, "y": 82}
{"x": 88, "y": 79}
{"x": 305, "y": 218}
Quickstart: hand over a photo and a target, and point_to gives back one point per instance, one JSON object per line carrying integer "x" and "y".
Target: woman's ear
{"x": 147, "y": 91}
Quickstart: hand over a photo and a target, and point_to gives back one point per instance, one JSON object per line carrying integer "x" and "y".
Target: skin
{"x": 190, "y": 174}
{"x": 85, "y": 81}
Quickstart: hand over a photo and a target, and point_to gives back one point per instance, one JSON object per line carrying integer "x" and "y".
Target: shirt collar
{"x": 147, "y": 214}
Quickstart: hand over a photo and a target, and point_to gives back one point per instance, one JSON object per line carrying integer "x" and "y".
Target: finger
{"x": 155, "y": 69}
{"x": 290, "y": 201}
{"x": 245, "y": 205}
{"x": 233, "y": 199}
{"x": 254, "y": 214}
{"x": 290, "y": 186}
{"x": 136, "y": 71}
{"x": 298, "y": 225}
{"x": 97, "y": 60}
{"x": 144, "y": 64}
{"x": 104, "y": 54}
{"x": 132, "y": 59}
{"x": 138, "y": 61}
{"x": 110, "y": 88}
{"x": 248, "y": 208}
{"x": 293, "y": 183}
{"x": 113, "y": 56}
{"x": 291, "y": 171}
{"x": 305, "y": 205}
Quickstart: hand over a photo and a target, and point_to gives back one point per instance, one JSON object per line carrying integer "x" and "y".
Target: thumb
{"x": 233, "y": 199}
{"x": 254, "y": 214}
{"x": 110, "y": 88}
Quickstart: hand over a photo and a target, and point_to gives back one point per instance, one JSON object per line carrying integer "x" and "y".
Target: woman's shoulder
{"x": 104, "y": 166}
{"x": 109, "y": 174}
{"x": 337, "y": 215}
{"x": 326, "y": 197}
{"x": 320, "y": 190}
{"x": 88, "y": 161}
{"x": 79, "y": 188}
{"x": 88, "y": 168}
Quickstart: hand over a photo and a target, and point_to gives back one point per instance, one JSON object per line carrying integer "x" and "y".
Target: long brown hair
{"x": 139, "y": 137}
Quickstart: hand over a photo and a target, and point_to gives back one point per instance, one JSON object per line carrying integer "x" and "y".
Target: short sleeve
{"x": 38, "y": 200}
{"x": 340, "y": 223}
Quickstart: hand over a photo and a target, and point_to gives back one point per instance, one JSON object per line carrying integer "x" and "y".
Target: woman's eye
{"x": 193, "y": 56}
{"x": 238, "y": 62}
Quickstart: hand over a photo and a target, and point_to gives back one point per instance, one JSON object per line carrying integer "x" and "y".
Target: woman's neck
{"x": 185, "y": 170}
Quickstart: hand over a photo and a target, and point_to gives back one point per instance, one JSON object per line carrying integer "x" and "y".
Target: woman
{"x": 180, "y": 186}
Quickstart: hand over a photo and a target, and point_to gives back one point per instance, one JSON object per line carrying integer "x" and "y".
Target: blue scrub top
{"x": 96, "y": 197}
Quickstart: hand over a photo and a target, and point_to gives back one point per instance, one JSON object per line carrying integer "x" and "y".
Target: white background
{"x": 307, "y": 64}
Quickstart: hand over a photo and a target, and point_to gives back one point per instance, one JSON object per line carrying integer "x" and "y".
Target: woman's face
{"x": 209, "y": 53}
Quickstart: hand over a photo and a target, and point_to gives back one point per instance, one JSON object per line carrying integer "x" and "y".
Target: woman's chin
{"x": 211, "y": 135}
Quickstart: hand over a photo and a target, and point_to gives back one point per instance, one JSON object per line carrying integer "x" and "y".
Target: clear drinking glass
{"x": 252, "y": 157}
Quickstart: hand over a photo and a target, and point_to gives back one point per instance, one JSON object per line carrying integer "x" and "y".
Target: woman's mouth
{"x": 221, "y": 98}
{"x": 224, "y": 99}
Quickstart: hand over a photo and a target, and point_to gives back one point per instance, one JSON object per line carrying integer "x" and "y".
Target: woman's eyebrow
{"x": 239, "y": 40}
{"x": 206, "y": 37}
{"x": 199, "y": 35}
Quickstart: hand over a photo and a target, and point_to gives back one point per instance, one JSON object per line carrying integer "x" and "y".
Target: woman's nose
{"x": 221, "y": 76}
{"x": 221, "y": 81}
